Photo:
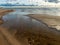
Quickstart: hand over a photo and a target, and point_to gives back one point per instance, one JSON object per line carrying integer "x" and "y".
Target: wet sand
{"x": 4, "y": 12}
{"x": 3, "y": 40}
{"x": 51, "y": 21}
{"x": 10, "y": 39}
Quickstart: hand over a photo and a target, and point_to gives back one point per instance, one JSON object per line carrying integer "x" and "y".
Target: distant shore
{"x": 26, "y": 7}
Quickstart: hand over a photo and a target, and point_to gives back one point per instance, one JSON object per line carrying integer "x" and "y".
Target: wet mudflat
{"x": 28, "y": 30}
{"x": 51, "y": 21}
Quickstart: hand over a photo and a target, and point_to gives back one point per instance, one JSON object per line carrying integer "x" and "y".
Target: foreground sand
{"x": 3, "y": 40}
{"x": 51, "y": 21}
{"x": 5, "y": 36}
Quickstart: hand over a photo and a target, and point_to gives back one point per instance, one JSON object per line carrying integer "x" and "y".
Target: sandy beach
{"x": 5, "y": 11}
{"x": 51, "y": 21}
{"x": 3, "y": 40}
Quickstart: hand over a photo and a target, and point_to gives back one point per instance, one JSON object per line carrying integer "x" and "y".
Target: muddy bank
{"x": 4, "y": 12}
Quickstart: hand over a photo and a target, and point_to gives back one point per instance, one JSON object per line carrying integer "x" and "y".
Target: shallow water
{"x": 18, "y": 16}
{"x": 15, "y": 19}
{"x": 19, "y": 20}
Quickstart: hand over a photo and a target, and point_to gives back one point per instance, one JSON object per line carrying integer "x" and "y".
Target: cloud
{"x": 54, "y": 1}
{"x": 35, "y": 2}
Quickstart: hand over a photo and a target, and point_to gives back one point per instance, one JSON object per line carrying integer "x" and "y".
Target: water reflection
{"x": 50, "y": 11}
{"x": 18, "y": 19}
{"x": 15, "y": 18}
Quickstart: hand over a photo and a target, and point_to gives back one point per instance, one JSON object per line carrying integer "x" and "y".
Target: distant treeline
{"x": 16, "y": 5}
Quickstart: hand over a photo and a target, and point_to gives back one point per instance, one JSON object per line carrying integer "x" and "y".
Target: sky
{"x": 40, "y": 2}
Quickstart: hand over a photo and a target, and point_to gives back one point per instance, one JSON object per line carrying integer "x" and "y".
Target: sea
{"x": 44, "y": 10}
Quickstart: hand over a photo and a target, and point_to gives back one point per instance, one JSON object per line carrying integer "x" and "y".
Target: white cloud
{"x": 40, "y": 2}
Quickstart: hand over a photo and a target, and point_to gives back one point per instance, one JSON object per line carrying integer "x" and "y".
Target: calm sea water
{"x": 49, "y": 11}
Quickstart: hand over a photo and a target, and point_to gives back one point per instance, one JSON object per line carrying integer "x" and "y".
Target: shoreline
{"x": 4, "y": 12}
{"x": 50, "y": 21}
